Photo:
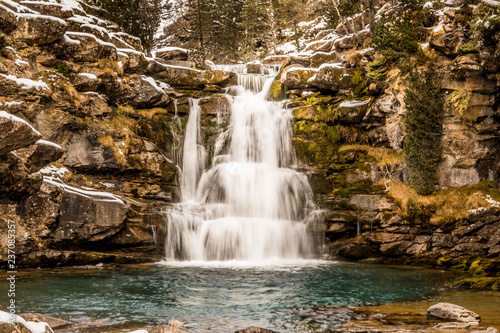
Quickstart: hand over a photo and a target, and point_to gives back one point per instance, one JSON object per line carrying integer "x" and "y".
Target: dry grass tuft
{"x": 383, "y": 156}
{"x": 445, "y": 205}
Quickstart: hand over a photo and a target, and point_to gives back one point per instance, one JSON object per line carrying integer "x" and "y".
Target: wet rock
{"x": 452, "y": 312}
{"x": 254, "y": 329}
{"x": 54, "y": 323}
{"x": 357, "y": 248}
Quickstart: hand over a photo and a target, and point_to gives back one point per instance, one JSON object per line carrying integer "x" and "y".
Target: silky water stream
{"x": 239, "y": 248}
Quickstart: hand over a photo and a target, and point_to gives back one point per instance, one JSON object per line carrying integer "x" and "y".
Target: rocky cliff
{"x": 90, "y": 134}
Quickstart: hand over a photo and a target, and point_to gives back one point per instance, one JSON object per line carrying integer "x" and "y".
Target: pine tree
{"x": 424, "y": 126}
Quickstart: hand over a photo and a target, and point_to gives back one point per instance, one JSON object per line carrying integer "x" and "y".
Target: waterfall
{"x": 248, "y": 204}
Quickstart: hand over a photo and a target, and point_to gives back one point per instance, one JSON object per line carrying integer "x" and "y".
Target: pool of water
{"x": 220, "y": 297}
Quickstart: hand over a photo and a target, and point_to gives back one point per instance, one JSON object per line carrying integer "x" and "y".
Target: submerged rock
{"x": 453, "y": 312}
{"x": 254, "y": 329}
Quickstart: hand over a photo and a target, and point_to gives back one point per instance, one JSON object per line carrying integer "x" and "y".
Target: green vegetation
{"x": 424, "y": 125}
{"x": 459, "y": 101}
{"x": 62, "y": 68}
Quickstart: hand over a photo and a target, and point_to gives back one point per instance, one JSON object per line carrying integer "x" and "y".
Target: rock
{"x": 85, "y": 81}
{"x": 254, "y": 329}
{"x": 333, "y": 77}
{"x": 172, "y": 53}
{"x": 84, "y": 47}
{"x": 145, "y": 93}
{"x": 87, "y": 216}
{"x": 452, "y": 312}
{"x": 32, "y": 29}
{"x": 44, "y": 153}
{"x": 133, "y": 41}
{"x": 137, "y": 61}
{"x": 275, "y": 60}
{"x": 15, "y": 133}
{"x": 454, "y": 326}
{"x": 358, "y": 248}
{"x": 52, "y": 9}
{"x": 447, "y": 42}
{"x": 166, "y": 329}
{"x": 353, "y": 111}
{"x": 54, "y": 323}
{"x": 298, "y": 78}
{"x": 189, "y": 78}
{"x": 254, "y": 69}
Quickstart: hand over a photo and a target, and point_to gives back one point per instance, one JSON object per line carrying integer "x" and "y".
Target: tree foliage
{"x": 424, "y": 126}
{"x": 140, "y": 18}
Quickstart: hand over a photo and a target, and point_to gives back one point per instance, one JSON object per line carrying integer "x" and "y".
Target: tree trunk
{"x": 344, "y": 24}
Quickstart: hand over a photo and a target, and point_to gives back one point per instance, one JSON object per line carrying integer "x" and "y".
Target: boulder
{"x": 85, "y": 81}
{"x": 45, "y": 152}
{"x": 52, "y": 9}
{"x": 133, "y": 41}
{"x": 357, "y": 248}
{"x": 137, "y": 61}
{"x": 15, "y": 133}
{"x": 298, "y": 78}
{"x": 183, "y": 77}
{"x": 32, "y": 29}
{"x": 333, "y": 77}
{"x": 172, "y": 53}
{"x": 353, "y": 111}
{"x": 145, "y": 93}
{"x": 87, "y": 216}
{"x": 86, "y": 47}
{"x": 452, "y": 312}
{"x": 275, "y": 60}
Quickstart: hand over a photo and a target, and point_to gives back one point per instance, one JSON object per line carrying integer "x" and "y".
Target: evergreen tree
{"x": 424, "y": 126}
{"x": 140, "y": 18}
{"x": 256, "y": 24}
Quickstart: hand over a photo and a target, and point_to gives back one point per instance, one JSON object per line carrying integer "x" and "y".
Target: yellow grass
{"x": 449, "y": 204}
{"x": 150, "y": 113}
{"x": 383, "y": 156}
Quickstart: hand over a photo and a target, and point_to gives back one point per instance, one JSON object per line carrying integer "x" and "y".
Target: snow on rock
{"x": 353, "y": 103}
{"x": 48, "y": 143}
{"x": 53, "y": 171}
{"x": 94, "y": 195}
{"x": 27, "y": 83}
{"x": 152, "y": 82}
{"x": 40, "y": 327}
{"x": 88, "y": 76}
{"x": 11, "y": 117}
{"x": 18, "y": 7}
{"x": 87, "y": 35}
{"x": 68, "y": 40}
{"x": 491, "y": 2}
{"x": 10, "y": 104}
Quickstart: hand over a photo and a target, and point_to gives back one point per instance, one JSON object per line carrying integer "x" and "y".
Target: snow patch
{"x": 40, "y": 327}
{"x": 353, "y": 103}
{"x": 94, "y": 195}
{"x": 4, "y": 114}
{"x": 26, "y": 83}
{"x": 88, "y": 76}
{"x": 53, "y": 171}
{"x": 152, "y": 82}
{"x": 10, "y": 104}
{"x": 491, "y": 2}
{"x": 48, "y": 143}
{"x": 68, "y": 40}
{"x": 99, "y": 41}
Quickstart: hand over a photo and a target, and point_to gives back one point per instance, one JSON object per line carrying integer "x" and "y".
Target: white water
{"x": 249, "y": 204}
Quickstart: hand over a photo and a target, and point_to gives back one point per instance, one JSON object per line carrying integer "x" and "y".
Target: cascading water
{"x": 249, "y": 204}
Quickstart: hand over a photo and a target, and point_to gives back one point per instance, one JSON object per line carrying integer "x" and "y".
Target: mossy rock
{"x": 484, "y": 283}
{"x": 277, "y": 91}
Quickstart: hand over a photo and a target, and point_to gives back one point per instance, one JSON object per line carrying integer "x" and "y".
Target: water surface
{"x": 219, "y": 296}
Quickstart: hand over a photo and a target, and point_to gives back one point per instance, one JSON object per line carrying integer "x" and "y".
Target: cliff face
{"x": 71, "y": 78}
{"x": 349, "y": 109}
{"x": 118, "y": 119}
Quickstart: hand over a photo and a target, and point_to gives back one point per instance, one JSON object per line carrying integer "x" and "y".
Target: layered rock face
{"x": 113, "y": 123}
{"x": 349, "y": 110}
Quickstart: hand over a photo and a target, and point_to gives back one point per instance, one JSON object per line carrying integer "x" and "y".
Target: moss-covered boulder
{"x": 298, "y": 78}
{"x": 334, "y": 77}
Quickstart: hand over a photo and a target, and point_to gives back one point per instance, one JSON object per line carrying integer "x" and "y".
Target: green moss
{"x": 62, "y": 68}
{"x": 470, "y": 47}
{"x": 485, "y": 283}
{"x": 277, "y": 91}
{"x": 377, "y": 69}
